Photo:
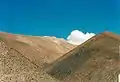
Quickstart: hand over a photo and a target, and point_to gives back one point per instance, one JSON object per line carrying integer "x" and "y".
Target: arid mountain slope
{"x": 22, "y": 58}
{"x": 96, "y": 60}
{"x": 14, "y": 67}
{"x": 39, "y": 50}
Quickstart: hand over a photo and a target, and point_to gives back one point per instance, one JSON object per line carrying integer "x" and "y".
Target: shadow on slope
{"x": 102, "y": 49}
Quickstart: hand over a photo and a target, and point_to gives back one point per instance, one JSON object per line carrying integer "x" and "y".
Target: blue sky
{"x": 59, "y": 17}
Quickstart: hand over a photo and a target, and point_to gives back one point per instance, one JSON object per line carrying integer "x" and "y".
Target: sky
{"x": 59, "y": 17}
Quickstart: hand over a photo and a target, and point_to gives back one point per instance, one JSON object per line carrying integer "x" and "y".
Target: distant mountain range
{"x": 49, "y": 59}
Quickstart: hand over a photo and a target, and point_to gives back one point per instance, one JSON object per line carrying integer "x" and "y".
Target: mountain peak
{"x": 112, "y": 35}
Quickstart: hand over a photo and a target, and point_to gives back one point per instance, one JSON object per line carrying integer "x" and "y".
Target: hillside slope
{"x": 14, "y": 67}
{"x": 39, "y": 50}
{"x": 22, "y": 58}
{"x": 96, "y": 60}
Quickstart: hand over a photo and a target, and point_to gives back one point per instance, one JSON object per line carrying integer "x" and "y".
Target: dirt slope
{"x": 14, "y": 67}
{"x": 41, "y": 59}
{"x": 96, "y": 60}
{"x": 23, "y": 58}
{"x": 40, "y": 50}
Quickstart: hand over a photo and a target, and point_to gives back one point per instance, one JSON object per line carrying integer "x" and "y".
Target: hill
{"x": 22, "y": 58}
{"x": 39, "y": 50}
{"x": 48, "y": 59}
{"x": 96, "y": 60}
{"x": 14, "y": 67}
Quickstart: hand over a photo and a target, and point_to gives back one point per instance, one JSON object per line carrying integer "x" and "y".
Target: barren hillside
{"x": 23, "y": 58}
{"x": 96, "y": 60}
{"x": 48, "y": 59}
{"x": 40, "y": 50}
{"x": 14, "y": 67}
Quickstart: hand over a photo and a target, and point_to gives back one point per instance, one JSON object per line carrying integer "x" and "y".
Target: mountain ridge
{"x": 56, "y": 61}
{"x": 66, "y": 65}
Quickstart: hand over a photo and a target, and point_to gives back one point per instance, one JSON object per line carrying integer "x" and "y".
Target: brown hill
{"x": 96, "y": 60}
{"x": 14, "y": 67}
{"x": 22, "y": 58}
{"x": 39, "y": 50}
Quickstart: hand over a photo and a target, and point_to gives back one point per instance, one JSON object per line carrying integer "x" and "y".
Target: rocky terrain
{"x": 96, "y": 60}
{"x": 48, "y": 59}
{"x": 23, "y": 58}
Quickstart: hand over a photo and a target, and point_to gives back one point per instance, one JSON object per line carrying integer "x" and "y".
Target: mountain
{"x": 14, "y": 67}
{"x": 23, "y": 58}
{"x": 96, "y": 60}
{"x": 37, "y": 49}
{"x": 48, "y": 59}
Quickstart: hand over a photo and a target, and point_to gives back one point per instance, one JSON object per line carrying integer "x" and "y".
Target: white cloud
{"x": 78, "y": 37}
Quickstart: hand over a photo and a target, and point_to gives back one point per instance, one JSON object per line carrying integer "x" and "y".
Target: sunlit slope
{"x": 14, "y": 67}
{"x": 23, "y": 58}
{"x": 39, "y": 50}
